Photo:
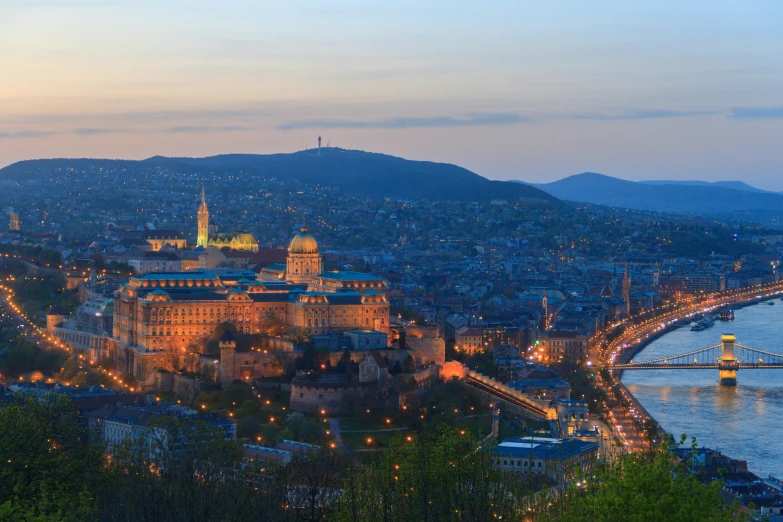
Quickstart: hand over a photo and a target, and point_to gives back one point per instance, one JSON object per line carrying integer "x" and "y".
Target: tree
{"x": 430, "y": 476}
{"x": 654, "y": 489}
{"x": 49, "y": 468}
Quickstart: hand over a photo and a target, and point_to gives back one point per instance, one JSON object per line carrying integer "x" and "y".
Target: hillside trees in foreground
{"x": 51, "y": 471}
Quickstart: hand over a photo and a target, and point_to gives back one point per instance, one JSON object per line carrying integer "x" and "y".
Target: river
{"x": 744, "y": 422}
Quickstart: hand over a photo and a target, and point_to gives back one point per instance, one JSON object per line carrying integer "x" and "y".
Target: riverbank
{"x": 641, "y": 340}
{"x": 737, "y": 420}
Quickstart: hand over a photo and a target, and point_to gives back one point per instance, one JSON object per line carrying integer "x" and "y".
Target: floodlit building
{"x": 206, "y": 237}
{"x": 160, "y": 318}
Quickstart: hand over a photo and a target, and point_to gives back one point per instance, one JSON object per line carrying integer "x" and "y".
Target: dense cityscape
{"x": 378, "y": 262}
{"x": 330, "y": 323}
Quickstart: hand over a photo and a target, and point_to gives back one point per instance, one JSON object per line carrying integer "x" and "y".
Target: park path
{"x": 334, "y": 427}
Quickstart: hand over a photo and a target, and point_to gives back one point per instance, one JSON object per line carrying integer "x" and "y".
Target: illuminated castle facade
{"x": 163, "y": 319}
{"x": 205, "y": 237}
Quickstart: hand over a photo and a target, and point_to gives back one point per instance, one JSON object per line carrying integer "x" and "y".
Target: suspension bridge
{"x": 728, "y": 357}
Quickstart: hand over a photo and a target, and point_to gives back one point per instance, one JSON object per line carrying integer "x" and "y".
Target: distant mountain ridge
{"x": 734, "y": 185}
{"x": 662, "y": 196}
{"x": 362, "y": 173}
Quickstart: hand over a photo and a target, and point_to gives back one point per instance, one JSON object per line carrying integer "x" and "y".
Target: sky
{"x": 525, "y": 90}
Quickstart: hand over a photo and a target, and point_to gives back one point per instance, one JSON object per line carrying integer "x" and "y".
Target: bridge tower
{"x": 728, "y": 363}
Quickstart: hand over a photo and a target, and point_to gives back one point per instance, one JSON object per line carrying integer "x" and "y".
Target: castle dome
{"x": 303, "y": 243}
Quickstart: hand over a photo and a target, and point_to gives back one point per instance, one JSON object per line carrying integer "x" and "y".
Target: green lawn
{"x": 378, "y": 439}
{"x": 372, "y": 423}
{"x": 518, "y": 429}
{"x": 479, "y": 426}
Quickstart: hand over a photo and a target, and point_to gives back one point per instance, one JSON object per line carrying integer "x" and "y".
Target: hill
{"x": 735, "y": 185}
{"x": 361, "y": 173}
{"x": 599, "y": 189}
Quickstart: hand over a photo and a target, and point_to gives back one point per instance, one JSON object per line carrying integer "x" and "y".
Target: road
{"x": 32, "y": 333}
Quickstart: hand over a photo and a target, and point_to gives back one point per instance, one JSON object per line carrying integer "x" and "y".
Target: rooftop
{"x": 350, "y": 276}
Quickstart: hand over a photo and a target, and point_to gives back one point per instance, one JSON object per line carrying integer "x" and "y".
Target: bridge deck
{"x": 740, "y": 366}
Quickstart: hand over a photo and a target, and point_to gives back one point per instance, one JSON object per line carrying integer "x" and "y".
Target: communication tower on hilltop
{"x": 319, "y": 145}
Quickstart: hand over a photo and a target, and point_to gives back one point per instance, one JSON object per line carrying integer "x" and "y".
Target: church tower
{"x": 203, "y": 221}
{"x": 228, "y": 348}
{"x": 627, "y": 291}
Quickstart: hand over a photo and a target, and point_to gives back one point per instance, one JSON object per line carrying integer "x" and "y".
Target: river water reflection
{"x": 744, "y": 422}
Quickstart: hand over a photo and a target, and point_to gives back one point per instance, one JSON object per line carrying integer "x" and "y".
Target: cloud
{"x": 26, "y": 134}
{"x": 647, "y": 114}
{"x": 756, "y": 112}
{"x": 92, "y": 131}
{"x": 205, "y": 128}
{"x": 409, "y": 123}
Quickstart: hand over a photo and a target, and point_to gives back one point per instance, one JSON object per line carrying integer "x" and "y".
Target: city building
{"x": 118, "y": 424}
{"x": 207, "y": 237}
{"x": 562, "y": 345}
{"x": 158, "y": 239}
{"x": 160, "y": 318}
{"x": 469, "y": 339}
{"x": 552, "y": 457}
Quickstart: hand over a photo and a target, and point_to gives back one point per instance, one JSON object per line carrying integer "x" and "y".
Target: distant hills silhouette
{"x": 664, "y": 196}
{"x": 357, "y": 172}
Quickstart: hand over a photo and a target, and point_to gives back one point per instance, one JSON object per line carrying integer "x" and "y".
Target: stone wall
{"x": 280, "y": 344}
{"x": 358, "y": 356}
{"x": 426, "y": 376}
{"x": 179, "y": 384}
{"x": 419, "y": 332}
{"x": 428, "y": 349}
{"x": 314, "y": 397}
{"x": 186, "y": 387}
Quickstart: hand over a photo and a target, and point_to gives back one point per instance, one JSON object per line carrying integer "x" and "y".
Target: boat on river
{"x": 705, "y": 323}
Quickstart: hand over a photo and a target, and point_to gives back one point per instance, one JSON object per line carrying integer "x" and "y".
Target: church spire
{"x": 203, "y": 221}
{"x": 627, "y": 290}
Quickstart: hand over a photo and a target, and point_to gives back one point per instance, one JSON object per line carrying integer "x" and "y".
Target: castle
{"x": 207, "y": 237}
{"x": 162, "y": 321}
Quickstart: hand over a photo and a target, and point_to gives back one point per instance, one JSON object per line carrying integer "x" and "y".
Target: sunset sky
{"x": 509, "y": 89}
